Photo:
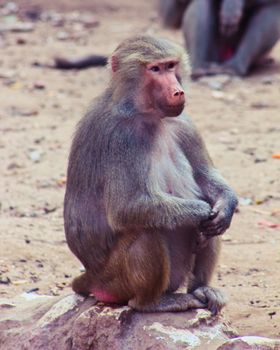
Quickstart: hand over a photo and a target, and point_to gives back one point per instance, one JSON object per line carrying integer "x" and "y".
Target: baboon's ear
{"x": 114, "y": 63}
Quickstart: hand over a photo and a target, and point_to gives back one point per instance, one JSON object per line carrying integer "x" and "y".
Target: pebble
{"x": 24, "y": 112}
{"x": 5, "y": 280}
{"x": 216, "y": 83}
{"x": 245, "y": 201}
{"x": 39, "y": 85}
{"x": 61, "y": 35}
{"x": 18, "y": 27}
{"x": 261, "y": 105}
{"x": 13, "y": 166}
{"x": 9, "y": 8}
{"x": 269, "y": 80}
{"x": 35, "y": 156}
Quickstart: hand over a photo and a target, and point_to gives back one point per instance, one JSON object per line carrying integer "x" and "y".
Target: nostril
{"x": 178, "y": 93}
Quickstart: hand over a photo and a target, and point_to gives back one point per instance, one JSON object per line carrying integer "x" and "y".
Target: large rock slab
{"x": 31, "y": 322}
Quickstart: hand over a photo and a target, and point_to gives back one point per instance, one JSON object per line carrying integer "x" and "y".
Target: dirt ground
{"x": 39, "y": 109}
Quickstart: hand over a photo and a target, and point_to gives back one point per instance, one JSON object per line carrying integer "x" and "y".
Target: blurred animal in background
{"x": 226, "y": 36}
{"x": 144, "y": 205}
{"x": 172, "y": 12}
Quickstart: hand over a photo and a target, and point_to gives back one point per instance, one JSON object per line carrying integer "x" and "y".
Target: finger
{"x": 212, "y": 221}
{"x": 213, "y": 232}
{"x": 213, "y": 214}
{"x": 209, "y": 227}
{"x": 217, "y": 223}
{"x": 201, "y": 296}
{"x": 197, "y": 304}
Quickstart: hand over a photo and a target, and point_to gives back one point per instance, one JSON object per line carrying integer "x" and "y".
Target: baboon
{"x": 144, "y": 205}
{"x": 172, "y": 12}
{"x": 229, "y": 36}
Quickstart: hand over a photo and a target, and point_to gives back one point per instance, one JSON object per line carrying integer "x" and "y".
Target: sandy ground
{"x": 39, "y": 110}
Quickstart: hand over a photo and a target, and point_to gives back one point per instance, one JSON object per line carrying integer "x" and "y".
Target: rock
{"x": 7, "y": 74}
{"x": 9, "y": 8}
{"x": 220, "y": 95}
{"x": 35, "y": 156}
{"x": 62, "y": 35}
{"x": 251, "y": 342}
{"x": 268, "y": 80}
{"x": 73, "y": 322}
{"x": 39, "y": 85}
{"x": 18, "y": 27}
{"x": 5, "y": 280}
{"x": 23, "y": 111}
{"x": 262, "y": 105}
{"x": 245, "y": 201}
{"x": 13, "y": 166}
{"x": 55, "y": 18}
{"x": 217, "y": 82}
{"x": 21, "y": 41}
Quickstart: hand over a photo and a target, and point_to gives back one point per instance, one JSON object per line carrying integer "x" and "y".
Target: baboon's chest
{"x": 171, "y": 171}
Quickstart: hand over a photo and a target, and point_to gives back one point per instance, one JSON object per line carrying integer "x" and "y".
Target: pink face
{"x": 163, "y": 88}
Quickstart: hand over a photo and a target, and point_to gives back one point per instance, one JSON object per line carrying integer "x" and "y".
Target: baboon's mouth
{"x": 172, "y": 111}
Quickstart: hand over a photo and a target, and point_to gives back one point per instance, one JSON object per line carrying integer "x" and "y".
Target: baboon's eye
{"x": 171, "y": 65}
{"x": 155, "y": 69}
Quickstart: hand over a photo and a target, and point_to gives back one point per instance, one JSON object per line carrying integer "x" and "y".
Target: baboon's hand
{"x": 218, "y": 221}
{"x": 213, "y": 298}
{"x": 201, "y": 211}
